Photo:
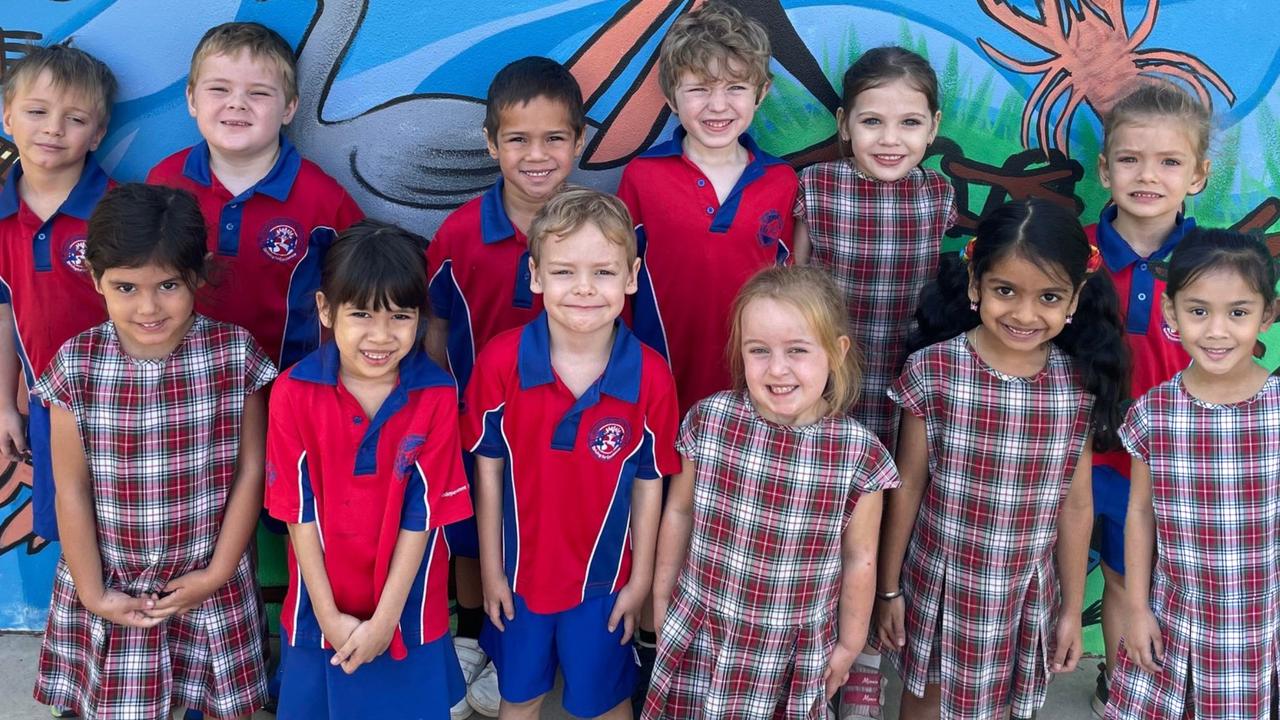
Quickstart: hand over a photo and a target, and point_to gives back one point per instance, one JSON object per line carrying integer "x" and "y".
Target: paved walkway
{"x": 1068, "y": 695}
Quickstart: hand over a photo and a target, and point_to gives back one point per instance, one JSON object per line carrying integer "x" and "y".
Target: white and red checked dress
{"x": 752, "y": 621}
{"x": 1215, "y": 587}
{"x": 979, "y": 575}
{"x": 880, "y": 242}
{"x": 161, "y": 439}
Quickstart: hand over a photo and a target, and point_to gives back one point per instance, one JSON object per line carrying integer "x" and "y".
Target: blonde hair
{"x": 812, "y": 292}
{"x": 1155, "y": 98}
{"x": 260, "y": 41}
{"x": 70, "y": 69}
{"x": 715, "y": 34}
{"x": 574, "y": 207}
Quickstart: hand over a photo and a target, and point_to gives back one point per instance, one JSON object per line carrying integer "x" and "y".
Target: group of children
{"x": 534, "y": 363}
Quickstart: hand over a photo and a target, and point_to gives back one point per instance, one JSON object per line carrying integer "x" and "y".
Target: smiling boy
{"x": 271, "y": 213}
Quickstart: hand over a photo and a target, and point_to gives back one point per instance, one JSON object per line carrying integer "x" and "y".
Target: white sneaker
{"x": 482, "y": 695}
{"x": 472, "y": 660}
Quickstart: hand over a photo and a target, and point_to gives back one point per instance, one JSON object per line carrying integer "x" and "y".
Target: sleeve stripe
{"x": 426, "y": 500}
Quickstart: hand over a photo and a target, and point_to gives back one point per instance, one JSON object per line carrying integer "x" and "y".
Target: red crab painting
{"x": 1093, "y": 59}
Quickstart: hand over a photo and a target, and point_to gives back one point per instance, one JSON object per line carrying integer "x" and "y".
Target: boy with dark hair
{"x": 479, "y": 279}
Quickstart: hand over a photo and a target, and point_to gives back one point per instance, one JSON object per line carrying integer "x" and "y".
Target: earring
{"x": 973, "y": 306}
{"x": 1068, "y": 320}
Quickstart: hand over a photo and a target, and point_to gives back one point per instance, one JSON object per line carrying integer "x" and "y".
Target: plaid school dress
{"x": 979, "y": 576}
{"x": 1215, "y": 587}
{"x": 879, "y": 241}
{"x": 752, "y": 622}
{"x": 161, "y": 439}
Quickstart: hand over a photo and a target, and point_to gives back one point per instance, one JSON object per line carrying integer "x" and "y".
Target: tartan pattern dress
{"x": 879, "y": 241}
{"x": 752, "y": 621}
{"x": 1215, "y": 588}
{"x": 161, "y": 439}
{"x": 979, "y": 575}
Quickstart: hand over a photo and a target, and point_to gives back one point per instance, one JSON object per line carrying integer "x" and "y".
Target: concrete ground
{"x": 1068, "y": 695}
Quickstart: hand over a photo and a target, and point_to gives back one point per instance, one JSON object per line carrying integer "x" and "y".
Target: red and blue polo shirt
{"x": 362, "y": 480}
{"x": 1155, "y": 350}
{"x": 269, "y": 242}
{"x": 698, "y": 252}
{"x": 47, "y": 283}
{"x": 569, "y": 462}
{"x": 478, "y": 264}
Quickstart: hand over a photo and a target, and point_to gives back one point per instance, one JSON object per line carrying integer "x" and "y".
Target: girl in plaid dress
{"x": 981, "y": 581}
{"x": 766, "y": 554}
{"x": 874, "y": 220}
{"x": 158, "y": 433}
{"x": 1202, "y": 636}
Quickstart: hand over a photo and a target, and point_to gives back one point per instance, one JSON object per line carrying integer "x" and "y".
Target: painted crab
{"x": 1093, "y": 59}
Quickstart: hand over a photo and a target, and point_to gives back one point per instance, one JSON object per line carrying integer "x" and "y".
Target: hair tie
{"x": 1094, "y": 264}
{"x": 966, "y": 252}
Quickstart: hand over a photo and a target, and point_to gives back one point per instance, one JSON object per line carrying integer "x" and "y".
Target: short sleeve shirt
{"x": 698, "y": 252}
{"x": 362, "y": 480}
{"x": 569, "y": 462}
{"x": 478, "y": 263}
{"x": 43, "y": 273}
{"x": 1155, "y": 350}
{"x": 269, "y": 243}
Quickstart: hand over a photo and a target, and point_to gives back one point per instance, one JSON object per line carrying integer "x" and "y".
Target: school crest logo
{"x": 770, "y": 230}
{"x": 407, "y": 454}
{"x": 280, "y": 240}
{"x": 73, "y": 254}
{"x": 608, "y": 437}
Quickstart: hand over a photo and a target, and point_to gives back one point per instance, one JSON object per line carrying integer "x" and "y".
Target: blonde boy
{"x": 572, "y": 421}
{"x": 271, "y": 213}
{"x": 57, "y": 102}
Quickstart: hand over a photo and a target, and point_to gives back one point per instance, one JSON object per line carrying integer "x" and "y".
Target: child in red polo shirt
{"x": 57, "y": 101}
{"x": 1155, "y": 153}
{"x": 271, "y": 213}
{"x": 479, "y": 268}
{"x": 363, "y": 465}
{"x": 572, "y": 421}
{"x": 711, "y": 208}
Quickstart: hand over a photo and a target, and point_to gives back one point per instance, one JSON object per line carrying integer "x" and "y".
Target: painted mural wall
{"x": 392, "y": 94}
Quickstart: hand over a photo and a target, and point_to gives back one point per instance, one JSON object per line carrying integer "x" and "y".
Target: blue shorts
{"x": 1110, "y": 505}
{"x": 463, "y": 536}
{"x": 424, "y": 685}
{"x": 599, "y": 672}
{"x": 44, "y": 520}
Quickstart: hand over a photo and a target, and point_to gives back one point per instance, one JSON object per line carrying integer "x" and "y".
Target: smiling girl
{"x": 158, "y": 426}
{"x": 1020, "y": 371}
{"x": 766, "y": 553}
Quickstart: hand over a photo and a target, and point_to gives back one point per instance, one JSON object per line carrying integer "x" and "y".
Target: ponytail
{"x": 1095, "y": 342}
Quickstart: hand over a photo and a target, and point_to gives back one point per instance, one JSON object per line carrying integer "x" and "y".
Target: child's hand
{"x": 186, "y": 592}
{"x": 498, "y": 602}
{"x": 893, "y": 624}
{"x": 837, "y": 672}
{"x": 1142, "y": 641}
{"x": 1068, "y": 643}
{"x": 337, "y": 629}
{"x": 369, "y": 640}
{"x": 13, "y": 442}
{"x": 123, "y": 609}
{"x": 626, "y": 608}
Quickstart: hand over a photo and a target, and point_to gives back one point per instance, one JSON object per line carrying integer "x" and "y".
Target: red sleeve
{"x": 486, "y": 394}
{"x": 440, "y": 461}
{"x": 663, "y": 418}
{"x": 289, "y": 495}
{"x": 630, "y": 196}
{"x": 347, "y": 213}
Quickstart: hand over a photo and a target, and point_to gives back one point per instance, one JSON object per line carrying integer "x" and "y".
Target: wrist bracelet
{"x": 889, "y": 595}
